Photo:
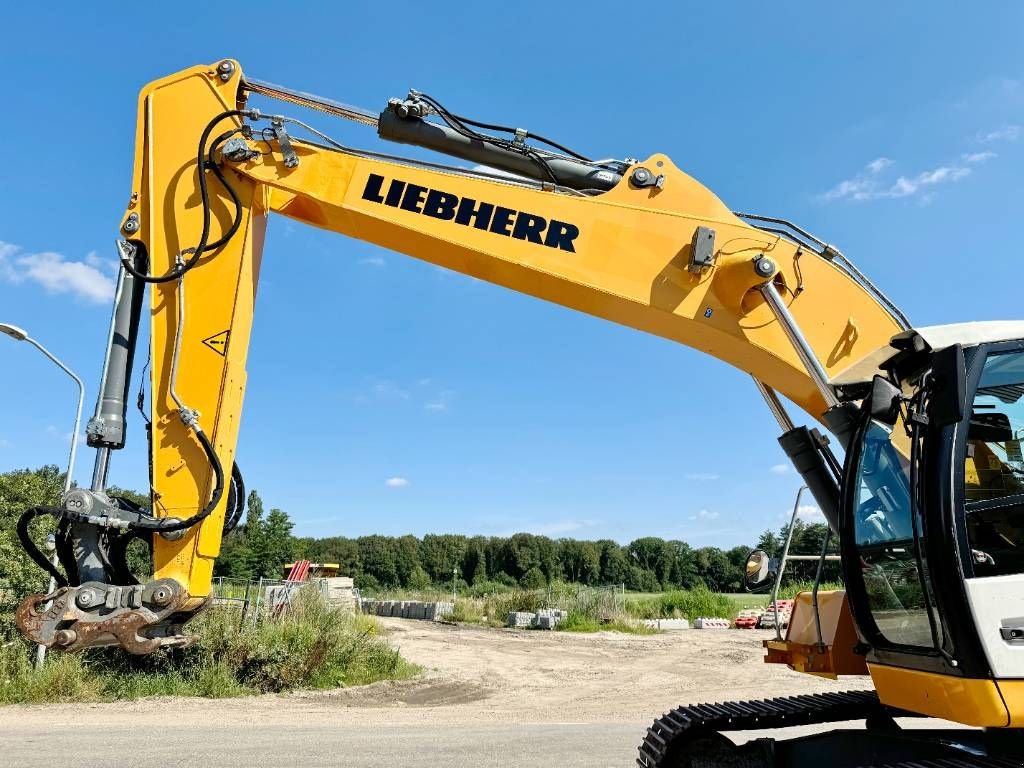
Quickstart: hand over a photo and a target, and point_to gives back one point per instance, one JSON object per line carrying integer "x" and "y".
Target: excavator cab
{"x": 932, "y": 530}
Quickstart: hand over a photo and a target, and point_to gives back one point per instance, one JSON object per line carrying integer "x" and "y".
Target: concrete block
{"x": 520, "y": 619}
{"x": 668, "y": 625}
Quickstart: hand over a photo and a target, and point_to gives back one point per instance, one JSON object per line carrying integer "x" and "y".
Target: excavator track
{"x": 685, "y": 725}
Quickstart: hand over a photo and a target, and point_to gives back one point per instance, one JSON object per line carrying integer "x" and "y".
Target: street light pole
{"x": 19, "y": 334}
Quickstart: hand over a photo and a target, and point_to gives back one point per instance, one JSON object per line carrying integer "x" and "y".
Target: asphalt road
{"x": 117, "y": 743}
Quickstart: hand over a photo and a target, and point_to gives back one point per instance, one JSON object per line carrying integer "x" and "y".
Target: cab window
{"x": 994, "y": 468}
{"x": 884, "y": 530}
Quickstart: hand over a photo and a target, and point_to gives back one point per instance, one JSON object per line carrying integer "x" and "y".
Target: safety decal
{"x": 218, "y": 342}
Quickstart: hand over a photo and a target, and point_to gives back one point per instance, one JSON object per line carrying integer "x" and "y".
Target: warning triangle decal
{"x": 218, "y": 342}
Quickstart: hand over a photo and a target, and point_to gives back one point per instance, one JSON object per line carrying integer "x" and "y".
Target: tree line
{"x": 264, "y": 543}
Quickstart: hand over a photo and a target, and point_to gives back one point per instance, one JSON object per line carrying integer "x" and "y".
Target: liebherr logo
{"x": 468, "y": 212}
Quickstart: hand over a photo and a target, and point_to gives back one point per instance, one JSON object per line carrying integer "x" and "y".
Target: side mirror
{"x": 760, "y": 571}
{"x": 884, "y": 400}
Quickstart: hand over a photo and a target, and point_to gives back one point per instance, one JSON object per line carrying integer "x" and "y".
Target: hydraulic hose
{"x": 30, "y": 546}
{"x": 169, "y": 524}
{"x": 202, "y": 165}
{"x": 236, "y": 500}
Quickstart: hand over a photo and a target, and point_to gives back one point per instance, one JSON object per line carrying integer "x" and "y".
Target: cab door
{"x": 989, "y": 451}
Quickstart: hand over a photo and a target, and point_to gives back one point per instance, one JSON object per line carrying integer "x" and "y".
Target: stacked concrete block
{"x": 437, "y": 611}
{"x": 407, "y": 609}
{"x": 549, "y": 618}
{"x": 337, "y": 591}
{"x": 667, "y": 625}
{"x": 521, "y": 619}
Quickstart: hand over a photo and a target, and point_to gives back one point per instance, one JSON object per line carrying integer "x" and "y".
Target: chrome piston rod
{"x": 800, "y": 344}
{"x": 319, "y": 103}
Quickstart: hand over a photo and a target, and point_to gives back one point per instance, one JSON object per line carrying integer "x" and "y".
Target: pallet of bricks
{"x": 776, "y": 615}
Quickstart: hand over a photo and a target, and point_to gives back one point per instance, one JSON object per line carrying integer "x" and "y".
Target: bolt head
{"x": 86, "y": 598}
{"x": 764, "y": 267}
{"x": 64, "y": 637}
{"x": 131, "y": 224}
{"x": 641, "y": 175}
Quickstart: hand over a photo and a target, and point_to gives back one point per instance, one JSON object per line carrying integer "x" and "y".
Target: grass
{"x": 577, "y": 621}
{"x": 314, "y": 646}
{"x": 689, "y": 604}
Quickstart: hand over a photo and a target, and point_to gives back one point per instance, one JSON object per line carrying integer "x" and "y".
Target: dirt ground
{"x": 487, "y": 697}
{"x": 480, "y": 675}
{"x": 533, "y": 676}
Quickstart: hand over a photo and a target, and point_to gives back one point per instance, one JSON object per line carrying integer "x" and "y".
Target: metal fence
{"x": 267, "y": 597}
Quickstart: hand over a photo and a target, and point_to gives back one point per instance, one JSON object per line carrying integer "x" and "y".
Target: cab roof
{"x": 937, "y": 337}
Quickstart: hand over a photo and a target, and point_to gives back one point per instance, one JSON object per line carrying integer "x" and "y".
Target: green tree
{"x": 407, "y": 558}
{"x": 581, "y": 560}
{"x": 377, "y": 554}
{"x": 474, "y": 562}
{"x": 684, "y": 565}
{"x": 614, "y": 562}
{"x": 20, "y": 490}
{"x": 440, "y": 554}
{"x": 769, "y": 542}
{"x": 533, "y": 579}
{"x": 271, "y": 548}
{"x": 418, "y": 579}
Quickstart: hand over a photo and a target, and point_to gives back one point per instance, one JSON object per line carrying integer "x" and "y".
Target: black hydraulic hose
{"x": 456, "y": 124}
{"x": 236, "y": 500}
{"x": 529, "y": 135}
{"x": 202, "y": 246}
{"x": 30, "y": 546}
{"x": 168, "y": 524}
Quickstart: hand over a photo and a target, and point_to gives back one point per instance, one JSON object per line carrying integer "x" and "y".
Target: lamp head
{"x": 16, "y": 333}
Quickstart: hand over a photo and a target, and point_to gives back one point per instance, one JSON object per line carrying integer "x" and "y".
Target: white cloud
{"x": 5, "y": 443}
{"x": 879, "y": 164}
{"x": 807, "y": 513}
{"x": 373, "y": 261}
{"x": 780, "y": 469}
{"x": 701, "y": 476}
{"x": 868, "y": 184}
{"x": 978, "y": 157}
{"x": 396, "y": 482}
{"x": 1006, "y": 133}
{"x": 436, "y": 406}
{"x": 705, "y": 515}
{"x": 91, "y": 279}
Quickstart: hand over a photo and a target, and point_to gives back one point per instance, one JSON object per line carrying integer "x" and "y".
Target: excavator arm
{"x": 641, "y": 244}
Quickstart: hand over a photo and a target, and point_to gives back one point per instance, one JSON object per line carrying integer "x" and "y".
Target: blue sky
{"x": 416, "y": 400}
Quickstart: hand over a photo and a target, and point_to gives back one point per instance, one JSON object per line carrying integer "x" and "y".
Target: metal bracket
{"x": 237, "y": 150}
{"x": 702, "y": 255}
{"x": 96, "y": 614}
{"x": 641, "y": 178}
{"x": 291, "y": 160}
